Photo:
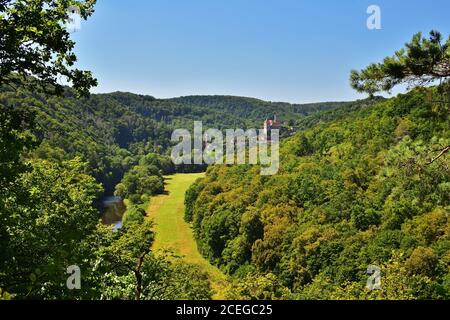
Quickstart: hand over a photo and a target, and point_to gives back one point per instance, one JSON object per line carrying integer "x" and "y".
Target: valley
{"x": 354, "y": 206}
{"x": 173, "y": 233}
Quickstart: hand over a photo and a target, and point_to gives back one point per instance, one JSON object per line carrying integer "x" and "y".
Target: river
{"x": 113, "y": 211}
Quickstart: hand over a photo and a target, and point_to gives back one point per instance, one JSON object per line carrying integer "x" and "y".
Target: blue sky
{"x": 278, "y": 50}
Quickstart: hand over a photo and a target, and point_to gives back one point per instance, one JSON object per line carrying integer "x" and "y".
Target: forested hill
{"x": 48, "y": 189}
{"x": 358, "y": 186}
{"x": 111, "y": 131}
{"x": 254, "y": 109}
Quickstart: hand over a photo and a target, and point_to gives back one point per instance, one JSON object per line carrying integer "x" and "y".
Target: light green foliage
{"x": 5, "y": 295}
{"x": 47, "y": 216}
{"x": 130, "y": 270}
{"x": 357, "y": 187}
{"x": 15, "y": 139}
{"x": 188, "y": 282}
{"x": 140, "y": 180}
{"x": 259, "y": 287}
{"x": 50, "y": 231}
{"x": 35, "y": 43}
{"x": 133, "y": 214}
{"x": 362, "y": 183}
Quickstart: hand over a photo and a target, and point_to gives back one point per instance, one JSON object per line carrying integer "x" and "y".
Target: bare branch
{"x": 444, "y": 151}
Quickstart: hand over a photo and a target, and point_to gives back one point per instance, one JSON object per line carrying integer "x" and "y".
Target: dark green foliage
{"x": 252, "y": 111}
{"x": 189, "y": 200}
{"x": 50, "y": 231}
{"x": 356, "y": 187}
{"x": 421, "y": 62}
{"x": 113, "y": 131}
{"x": 48, "y": 221}
{"x": 362, "y": 183}
{"x": 133, "y": 214}
{"x": 130, "y": 270}
{"x": 34, "y": 42}
{"x": 143, "y": 180}
{"x": 15, "y": 139}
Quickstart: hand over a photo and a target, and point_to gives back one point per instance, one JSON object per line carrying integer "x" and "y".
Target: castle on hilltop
{"x": 270, "y": 125}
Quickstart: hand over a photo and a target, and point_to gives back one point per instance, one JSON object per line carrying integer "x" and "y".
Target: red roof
{"x": 273, "y": 123}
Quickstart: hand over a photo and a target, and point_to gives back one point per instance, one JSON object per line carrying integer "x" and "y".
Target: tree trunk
{"x": 138, "y": 289}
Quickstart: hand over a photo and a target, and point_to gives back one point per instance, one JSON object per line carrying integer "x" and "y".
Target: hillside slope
{"x": 110, "y": 131}
{"x": 357, "y": 187}
{"x": 254, "y": 109}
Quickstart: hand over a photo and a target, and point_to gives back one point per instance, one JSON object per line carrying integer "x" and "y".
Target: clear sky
{"x": 278, "y": 50}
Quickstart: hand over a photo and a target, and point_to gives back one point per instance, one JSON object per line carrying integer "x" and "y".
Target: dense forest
{"x": 113, "y": 131}
{"x": 362, "y": 190}
{"x": 77, "y": 151}
{"x": 357, "y": 187}
{"x": 361, "y": 184}
{"x": 253, "y": 110}
{"x": 53, "y": 162}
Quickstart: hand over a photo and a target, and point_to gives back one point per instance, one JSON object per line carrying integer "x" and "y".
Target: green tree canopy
{"x": 421, "y": 62}
{"x": 35, "y": 42}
